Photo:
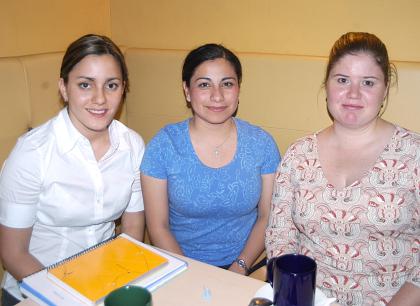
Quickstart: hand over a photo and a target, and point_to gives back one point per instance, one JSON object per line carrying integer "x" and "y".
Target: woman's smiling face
{"x": 94, "y": 92}
{"x": 356, "y": 90}
{"x": 213, "y": 91}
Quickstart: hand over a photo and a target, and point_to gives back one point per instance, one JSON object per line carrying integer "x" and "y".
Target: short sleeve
{"x": 20, "y": 186}
{"x": 136, "y": 200}
{"x": 271, "y": 155}
{"x": 155, "y": 156}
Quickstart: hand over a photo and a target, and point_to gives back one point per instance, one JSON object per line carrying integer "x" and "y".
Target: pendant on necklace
{"x": 216, "y": 152}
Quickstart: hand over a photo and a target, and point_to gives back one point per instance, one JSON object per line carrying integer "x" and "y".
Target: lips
{"x": 216, "y": 108}
{"x": 352, "y": 106}
{"x": 97, "y": 112}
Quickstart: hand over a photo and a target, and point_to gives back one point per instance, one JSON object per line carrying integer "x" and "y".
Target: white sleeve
{"x": 136, "y": 200}
{"x": 20, "y": 186}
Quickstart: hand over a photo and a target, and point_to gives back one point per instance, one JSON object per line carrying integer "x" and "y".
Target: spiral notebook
{"x": 87, "y": 277}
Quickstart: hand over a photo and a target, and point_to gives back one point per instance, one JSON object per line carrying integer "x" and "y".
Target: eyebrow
{"x": 209, "y": 79}
{"x": 93, "y": 79}
{"x": 365, "y": 77}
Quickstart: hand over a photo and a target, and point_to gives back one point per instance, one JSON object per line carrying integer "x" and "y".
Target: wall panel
{"x": 30, "y": 27}
{"x": 303, "y": 27}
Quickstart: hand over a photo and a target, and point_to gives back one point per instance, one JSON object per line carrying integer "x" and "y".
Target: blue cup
{"x": 293, "y": 278}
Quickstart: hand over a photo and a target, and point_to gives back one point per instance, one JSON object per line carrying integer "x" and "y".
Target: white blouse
{"x": 52, "y": 182}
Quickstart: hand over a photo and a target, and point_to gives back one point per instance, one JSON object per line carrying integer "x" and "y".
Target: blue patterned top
{"x": 211, "y": 210}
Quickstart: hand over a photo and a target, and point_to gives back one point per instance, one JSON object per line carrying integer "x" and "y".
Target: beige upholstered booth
{"x": 282, "y": 94}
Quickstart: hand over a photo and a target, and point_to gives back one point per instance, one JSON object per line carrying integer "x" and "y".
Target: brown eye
{"x": 228, "y": 84}
{"x": 84, "y": 85}
{"x": 113, "y": 86}
{"x": 342, "y": 80}
{"x": 204, "y": 85}
{"x": 368, "y": 83}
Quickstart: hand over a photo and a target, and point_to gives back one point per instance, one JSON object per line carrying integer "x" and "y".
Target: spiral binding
{"x": 80, "y": 253}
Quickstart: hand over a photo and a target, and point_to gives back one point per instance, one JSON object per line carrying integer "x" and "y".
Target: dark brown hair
{"x": 209, "y": 52}
{"x": 92, "y": 44}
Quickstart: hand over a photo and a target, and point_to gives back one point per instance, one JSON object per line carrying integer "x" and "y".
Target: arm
{"x": 282, "y": 236}
{"x": 408, "y": 295}
{"x": 255, "y": 244}
{"x": 14, "y": 252}
{"x": 132, "y": 223}
{"x": 155, "y": 196}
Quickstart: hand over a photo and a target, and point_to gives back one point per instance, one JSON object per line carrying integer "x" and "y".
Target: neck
{"x": 211, "y": 129}
{"x": 360, "y": 135}
{"x": 100, "y": 143}
{"x": 214, "y": 139}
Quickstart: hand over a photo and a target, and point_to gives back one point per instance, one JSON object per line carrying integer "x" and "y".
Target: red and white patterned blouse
{"x": 365, "y": 237}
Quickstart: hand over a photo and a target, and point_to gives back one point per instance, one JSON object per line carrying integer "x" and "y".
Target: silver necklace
{"x": 216, "y": 150}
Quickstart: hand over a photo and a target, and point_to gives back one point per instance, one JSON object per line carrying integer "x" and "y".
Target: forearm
{"x": 408, "y": 295}
{"x": 255, "y": 243}
{"x": 132, "y": 224}
{"x": 21, "y": 265}
{"x": 163, "y": 238}
{"x": 14, "y": 252}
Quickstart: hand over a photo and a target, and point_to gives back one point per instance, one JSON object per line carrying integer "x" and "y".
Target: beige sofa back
{"x": 282, "y": 94}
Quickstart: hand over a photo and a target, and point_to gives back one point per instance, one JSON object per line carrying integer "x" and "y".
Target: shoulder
{"x": 29, "y": 156}
{"x": 37, "y": 138}
{"x": 258, "y": 145}
{"x": 302, "y": 146}
{"x": 403, "y": 133}
{"x": 253, "y": 132}
{"x": 175, "y": 129}
{"x": 171, "y": 138}
{"x": 130, "y": 136}
{"x": 307, "y": 140}
{"x": 405, "y": 143}
{"x": 173, "y": 132}
{"x": 250, "y": 128}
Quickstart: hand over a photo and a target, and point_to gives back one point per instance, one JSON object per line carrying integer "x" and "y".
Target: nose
{"x": 100, "y": 97}
{"x": 354, "y": 91}
{"x": 216, "y": 94}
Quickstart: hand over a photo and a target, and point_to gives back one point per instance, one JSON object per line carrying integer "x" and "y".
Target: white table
{"x": 188, "y": 288}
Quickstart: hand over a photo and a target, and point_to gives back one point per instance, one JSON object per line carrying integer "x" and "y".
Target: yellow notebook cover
{"x": 97, "y": 271}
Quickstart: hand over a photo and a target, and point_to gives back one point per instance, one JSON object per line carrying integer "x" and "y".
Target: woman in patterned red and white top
{"x": 349, "y": 195}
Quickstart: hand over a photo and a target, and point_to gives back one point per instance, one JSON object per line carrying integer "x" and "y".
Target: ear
{"x": 186, "y": 91}
{"x": 124, "y": 84}
{"x": 386, "y": 93}
{"x": 63, "y": 90}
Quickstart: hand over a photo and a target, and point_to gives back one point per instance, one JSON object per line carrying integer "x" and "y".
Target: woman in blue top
{"x": 207, "y": 181}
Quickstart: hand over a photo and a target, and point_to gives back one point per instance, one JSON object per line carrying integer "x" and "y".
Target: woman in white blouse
{"x": 68, "y": 180}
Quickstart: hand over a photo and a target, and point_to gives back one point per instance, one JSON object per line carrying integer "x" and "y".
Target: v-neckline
{"x": 365, "y": 173}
